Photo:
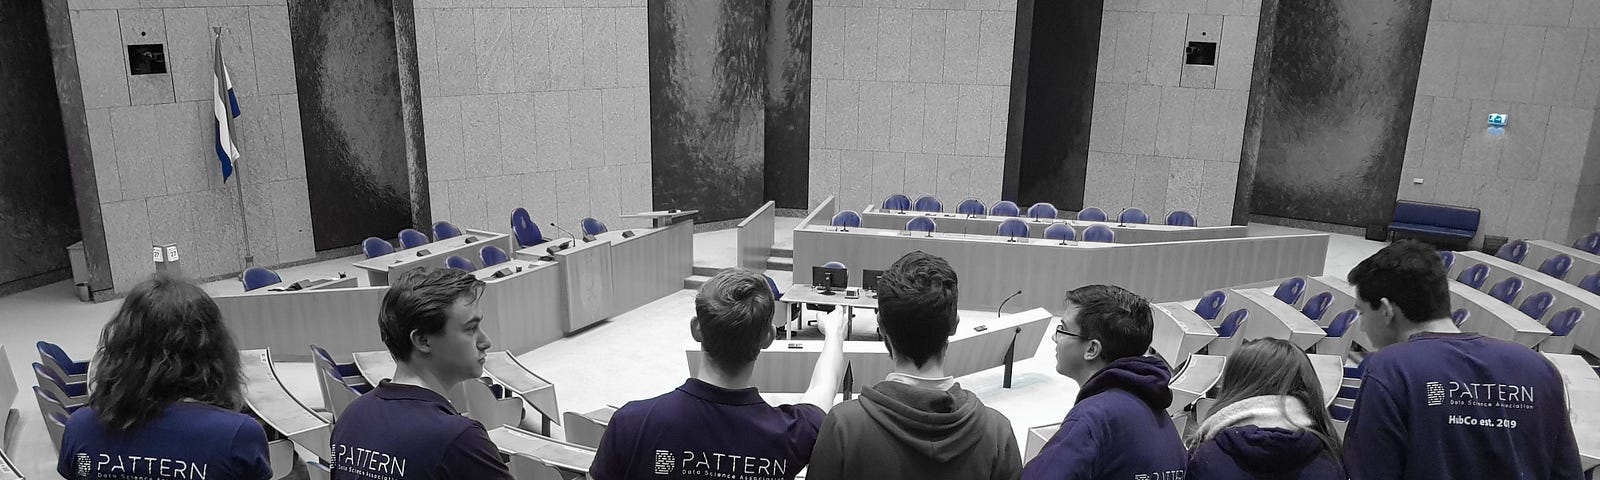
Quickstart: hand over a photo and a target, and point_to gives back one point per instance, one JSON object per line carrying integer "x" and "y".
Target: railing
{"x": 755, "y": 237}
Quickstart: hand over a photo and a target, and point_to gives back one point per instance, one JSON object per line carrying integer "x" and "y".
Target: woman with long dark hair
{"x": 166, "y": 390}
{"x": 1269, "y": 422}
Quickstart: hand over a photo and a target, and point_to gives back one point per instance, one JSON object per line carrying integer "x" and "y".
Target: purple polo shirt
{"x": 701, "y": 431}
{"x": 187, "y": 440}
{"x": 406, "y": 432}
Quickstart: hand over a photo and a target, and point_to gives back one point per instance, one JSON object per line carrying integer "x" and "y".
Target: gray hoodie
{"x": 901, "y": 431}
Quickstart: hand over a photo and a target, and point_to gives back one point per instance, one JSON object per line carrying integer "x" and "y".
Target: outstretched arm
{"x": 829, "y": 371}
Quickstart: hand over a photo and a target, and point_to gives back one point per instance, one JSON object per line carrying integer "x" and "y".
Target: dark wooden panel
{"x": 37, "y": 204}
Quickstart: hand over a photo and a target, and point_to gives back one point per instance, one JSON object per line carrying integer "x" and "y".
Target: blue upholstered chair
{"x": 593, "y": 227}
{"x": 1042, "y": 210}
{"x": 1317, "y": 306}
{"x": 376, "y": 247}
{"x": 847, "y": 219}
{"x": 63, "y": 365}
{"x": 1060, "y": 231}
{"x": 1557, "y": 266}
{"x": 257, "y": 277}
{"x": 1005, "y": 208}
{"x": 1211, "y": 305}
{"x": 492, "y": 255}
{"x": 1289, "y": 291}
{"x": 341, "y": 370}
{"x": 1233, "y": 323}
{"x": 1336, "y": 342}
{"x": 1133, "y": 215}
{"x": 1013, "y": 227}
{"x": 897, "y": 202}
{"x": 1561, "y": 326}
{"x": 70, "y": 394}
{"x": 443, "y": 230}
{"x": 1460, "y": 316}
{"x": 921, "y": 224}
{"x": 459, "y": 263}
{"x": 1099, "y": 233}
{"x": 972, "y": 206}
{"x": 1589, "y": 243}
{"x": 1448, "y": 257}
{"x": 1474, "y": 276}
{"x": 523, "y": 228}
{"x": 929, "y": 204}
{"x": 1340, "y": 412}
{"x": 1341, "y": 323}
{"x": 1181, "y": 218}
{"x": 1514, "y": 251}
{"x": 1537, "y": 304}
{"x": 1092, "y": 214}
{"x": 1591, "y": 283}
{"x": 1507, "y": 290}
{"x": 411, "y": 238}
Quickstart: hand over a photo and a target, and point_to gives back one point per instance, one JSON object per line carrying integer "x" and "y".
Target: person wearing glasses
{"x": 1119, "y": 426}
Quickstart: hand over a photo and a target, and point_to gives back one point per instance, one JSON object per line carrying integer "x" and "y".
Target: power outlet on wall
{"x": 1416, "y": 181}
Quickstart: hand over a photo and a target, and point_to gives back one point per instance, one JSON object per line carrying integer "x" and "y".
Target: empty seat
{"x": 1013, "y": 227}
{"x": 71, "y": 395}
{"x": 1092, "y": 214}
{"x": 1060, "y": 231}
{"x": 897, "y": 202}
{"x": 64, "y": 366}
{"x": 922, "y": 224}
{"x": 1342, "y": 323}
{"x": 1211, "y": 305}
{"x": 1507, "y": 290}
{"x": 523, "y": 228}
{"x": 1181, "y": 218}
{"x": 257, "y": 277}
{"x": 459, "y": 263}
{"x": 593, "y": 227}
{"x": 1514, "y": 251}
{"x": 1561, "y": 326}
{"x": 1317, "y": 305}
{"x": 847, "y": 219}
{"x": 1042, "y": 210}
{"x": 1474, "y": 276}
{"x": 1099, "y": 233}
{"x": 972, "y": 206}
{"x": 1556, "y": 266}
{"x": 1227, "y": 333}
{"x": 443, "y": 230}
{"x": 376, "y": 247}
{"x": 1589, "y": 243}
{"x": 1337, "y": 343}
{"x": 411, "y": 238}
{"x": 1448, "y": 257}
{"x": 492, "y": 255}
{"x": 1005, "y": 208}
{"x": 929, "y": 204}
{"x": 1133, "y": 215}
{"x": 1459, "y": 317}
{"x": 1537, "y": 304}
{"x": 1591, "y": 283}
{"x": 1289, "y": 291}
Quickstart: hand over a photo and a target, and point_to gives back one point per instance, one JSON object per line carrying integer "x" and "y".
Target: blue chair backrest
{"x": 1211, "y": 305}
{"x": 443, "y": 230}
{"x": 897, "y": 202}
{"x": 1355, "y": 372}
{"x": 1342, "y": 323}
{"x": 1513, "y": 251}
{"x": 492, "y": 255}
{"x": 593, "y": 227}
{"x": 1340, "y": 413}
{"x": 1099, "y": 233}
{"x": 1042, "y": 210}
{"x": 1060, "y": 231}
{"x": 921, "y": 224}
{"x": 411, "y": 238}
{"x": 1563, "y": 323}
{"x": 773, "y": 284}
{"x": 1289, "y": 291}
{"x": 376, "y": 247}
{"x": 1133, "y": 215}
{"x": 60, "y": 357}
{"x": 1557, "y": 266}
{"x": 971, "y": 206}
{"x": 1507, "y": 289}
{"x": 1460, "y": 316}
{"x": 1014, "y": 227}
{"x": 1449, "y": 258}
{"x": 1537, "y": 304}
{"x": 1591, "y": 283}
{"x": 847, "y": 218}
{"x": 524, "y": 229}
{"x": 1473, "y": 276}
{"x": 1180, "y": 218}
{"x": 929, "y": 204}
{"x": 459, "y": 263}
{"x": 1317, "y": 305}
{"x": 1589, "y": 243}
{"x": 71, "y": 389}
{"x": 1092, "y": 214}
{"x": 257, "y": 277}
{"x": 1232, "y": 324}
{"x": 833, "y": 265}
{"x": 1005, "y": 208}
{"x": 1437, "y": 215}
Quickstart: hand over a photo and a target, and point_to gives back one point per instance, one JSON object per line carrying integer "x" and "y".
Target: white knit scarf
{"x": 1266, "y": 411}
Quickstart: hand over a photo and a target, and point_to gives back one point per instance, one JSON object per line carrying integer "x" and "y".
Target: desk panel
{"x": 1586, "y": 336}
{"x": 325, "y": 284}
{"x": 266, "y": 397}
{"x": 1583, "y": 263}
{"x": 1037, "y": 437}
{"x": 586, "y": 284}
{"x": 1198, "y": 376}
{"x": 339, "y": 319}
{"x": 990, "y": 225}
{"x": 1179, "y": 332}
{"x": 1330, "y": 373}
{"x": 1270, "y": 317}
{"x": 990, "y": 268}
{"x": 650, "y": 265}
{"x": 1493, "y": 318}
{"x": 1583, "y": 404}
{"x": 754, "y": 237}
{"x": 549, "y": 451}
{"x": 381, "y": 269}
{"x": 8, "y": 470}
{"x": 522, "y": 311}
{"x": 538, "y": 392}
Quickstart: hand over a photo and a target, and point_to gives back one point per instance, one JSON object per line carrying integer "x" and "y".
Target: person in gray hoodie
{"x": 918, "y": 423}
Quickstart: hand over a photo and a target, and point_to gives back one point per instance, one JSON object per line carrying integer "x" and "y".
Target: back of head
{"x": 917, "y": 306}
{"x": 417, "y": 302}
{"x": 166, "y": 343}
{"x": 733, "y": 313}
{"x": 1118, "y": 318}
{"x": 1408, "y": 273}
{"x": 1276, "y": 367}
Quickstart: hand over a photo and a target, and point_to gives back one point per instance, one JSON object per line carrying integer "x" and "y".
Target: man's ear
{"x": 768, "y": 336}
{"x": 694, "y": 329}
{"x": 1388, "y": 311}
{"x": 1092, "y": 351}
{"x": 419, "y": 342}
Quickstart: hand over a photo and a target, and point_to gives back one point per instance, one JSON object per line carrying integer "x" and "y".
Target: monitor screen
{"x": 869, "y": 279}
{"x": 832, "y": 278}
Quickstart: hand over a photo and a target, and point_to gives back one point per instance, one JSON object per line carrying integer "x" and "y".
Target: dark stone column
{"x": 788, "y": 110}
{"x": 1052, "y": 91}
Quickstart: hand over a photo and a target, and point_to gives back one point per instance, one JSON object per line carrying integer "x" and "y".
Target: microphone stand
{"x": 1003, "y": 303}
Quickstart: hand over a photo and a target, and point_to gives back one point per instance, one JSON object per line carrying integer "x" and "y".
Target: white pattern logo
{"x": 1435, "y": 394}
{"x": 664, "y": 462}
{"x": 85, "y": 465}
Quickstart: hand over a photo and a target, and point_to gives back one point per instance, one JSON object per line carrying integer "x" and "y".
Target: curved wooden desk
{"x": 948, "y": 222}
{"x": 1583, "y": 404}
{"x": 1270, "y": 317}
{"x": 1586, "y": 336}
{"x": 1198, "y": 376}
{"x": 1178, "y": 331}
{"x": 273, "y": 404}
{"x": 1583, "y": 263}
{"x": 383, "y": 268}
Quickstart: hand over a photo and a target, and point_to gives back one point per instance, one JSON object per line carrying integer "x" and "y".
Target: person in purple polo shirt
{"x": 1436, "y": 403}
{"x": 918, "y": 423}
{"x": 716, "y": 426}
{"x": 405, "y": 429}
{"x": 167, "y": 390}
{"x": 1119, "y": 428}
{"x": 1270, "y": 421}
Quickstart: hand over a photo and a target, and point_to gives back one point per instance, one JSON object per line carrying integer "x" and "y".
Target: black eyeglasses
{"x": 1062, "y": 332}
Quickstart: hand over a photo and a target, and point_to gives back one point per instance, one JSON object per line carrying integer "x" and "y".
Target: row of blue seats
{"x": 1534, "y": 306}
{"x": 1010, "y": 227}
{"x": 1289, "y": 292}
{"x": 1007, "y": 208}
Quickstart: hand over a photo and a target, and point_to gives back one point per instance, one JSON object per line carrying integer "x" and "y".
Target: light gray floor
{"x": 636, "y": 355}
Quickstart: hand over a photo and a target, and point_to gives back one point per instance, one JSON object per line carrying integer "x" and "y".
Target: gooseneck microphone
{"x": 1003, "y": 303}
{"x": 563, "y": 230}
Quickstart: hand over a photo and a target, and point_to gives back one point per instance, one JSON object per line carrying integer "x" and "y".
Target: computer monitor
{"x": 869, "y": 279}
{"x": 829, "y": 279}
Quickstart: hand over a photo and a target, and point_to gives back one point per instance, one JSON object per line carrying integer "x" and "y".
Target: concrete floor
{"x": 636, "y": 355}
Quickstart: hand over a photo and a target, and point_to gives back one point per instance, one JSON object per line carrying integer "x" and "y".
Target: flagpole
{"x": 238, "y": 181}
